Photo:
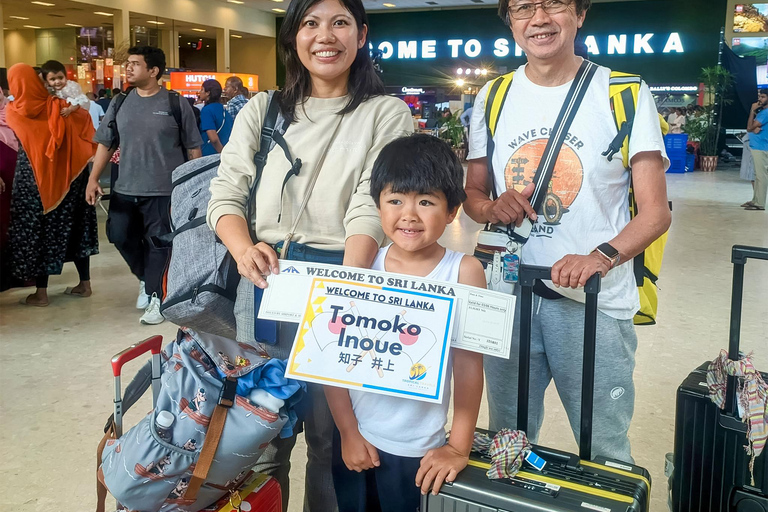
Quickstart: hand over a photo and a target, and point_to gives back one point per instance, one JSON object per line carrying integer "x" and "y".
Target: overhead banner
{"x": 374, "y": 338}
{"x": 183, "y": 80}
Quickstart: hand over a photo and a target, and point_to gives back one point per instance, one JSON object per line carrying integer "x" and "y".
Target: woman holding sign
{"x": 336, "y": 119}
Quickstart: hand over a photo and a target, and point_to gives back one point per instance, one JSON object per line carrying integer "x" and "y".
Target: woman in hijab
{"x": 50, "y": 221}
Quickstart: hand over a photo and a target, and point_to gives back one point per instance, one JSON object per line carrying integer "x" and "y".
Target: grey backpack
{"x": 169, "y": 465}
{"x": 201, "y": 279}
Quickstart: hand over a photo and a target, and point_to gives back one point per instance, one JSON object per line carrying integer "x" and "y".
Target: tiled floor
{"x": 56, "y": 385}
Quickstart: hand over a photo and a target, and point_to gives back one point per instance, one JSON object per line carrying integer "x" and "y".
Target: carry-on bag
{"x": 711, "y": 464}
{"x": 567, "y": 482}
{"x": 198, "y": 444}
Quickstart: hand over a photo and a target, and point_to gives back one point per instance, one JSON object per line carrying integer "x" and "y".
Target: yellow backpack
{"x": 624, "y": 89}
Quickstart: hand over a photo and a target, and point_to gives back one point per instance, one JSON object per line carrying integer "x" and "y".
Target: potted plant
{"x": 705, "y": 126}
{"x": 452, "y": 131}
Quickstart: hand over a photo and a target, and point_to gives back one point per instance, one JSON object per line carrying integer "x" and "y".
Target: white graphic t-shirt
{"x": 587, "y": 203}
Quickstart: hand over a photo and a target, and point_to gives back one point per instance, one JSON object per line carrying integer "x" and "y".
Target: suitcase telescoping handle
{"x": 739, "y": 256}
{"x": 528, "y": 275}
{"x": 153, "y": 345}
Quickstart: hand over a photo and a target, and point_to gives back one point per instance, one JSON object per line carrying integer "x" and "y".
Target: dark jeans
{"x": 132, "y": 221}
{"x": 391, "y": 487}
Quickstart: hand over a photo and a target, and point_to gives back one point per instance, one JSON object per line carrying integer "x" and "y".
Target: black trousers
{"x": 132, "y": 221}
{"x": 391, "y": 487}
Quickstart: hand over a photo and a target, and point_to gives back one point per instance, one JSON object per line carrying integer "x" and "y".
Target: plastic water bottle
{"x": 265, "y": 400}
{"x": 163, "y": 425}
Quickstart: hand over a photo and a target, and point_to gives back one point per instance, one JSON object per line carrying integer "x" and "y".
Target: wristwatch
{"x": 609, "y": 252}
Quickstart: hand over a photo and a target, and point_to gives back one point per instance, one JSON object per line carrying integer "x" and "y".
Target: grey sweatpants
{"x": 557, "y": 337}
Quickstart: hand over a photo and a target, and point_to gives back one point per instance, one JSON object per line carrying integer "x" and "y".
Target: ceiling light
{"x": 238, "y": 2}
{"x": 18, "y": 17}
{"x": 153, "y": 22}
{"x": 459, "y": 71}
{"x": 459, "y": 82}
{"x": 30, "y": 26}
{"x": 278, "y": 10}
{"x": 101, "y": 13}
{"x": 389, "y": 5}
{"x": 236, "y": 36}
{"x": 484, "y": 72}
{"x": 277, "y": 1}
{"x": 73, "y": 25}
{"x": 198, "y": 30}
{"x": 44, "y": 4}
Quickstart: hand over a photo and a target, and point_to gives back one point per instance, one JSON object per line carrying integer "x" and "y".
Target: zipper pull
{"x": 194, "y": 294}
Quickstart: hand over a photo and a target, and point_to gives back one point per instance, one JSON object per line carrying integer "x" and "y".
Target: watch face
{"x": 608, "y": 250}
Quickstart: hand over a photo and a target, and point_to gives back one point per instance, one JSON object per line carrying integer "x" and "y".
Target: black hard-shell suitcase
{"x": 568, "y": 482}
{"x": 711, "y": 466}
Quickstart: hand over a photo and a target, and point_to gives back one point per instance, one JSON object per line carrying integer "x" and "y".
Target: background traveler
{"x": 237, "y": 94}
{"x": 215, "y": 121}
{"x": 152, "y": 144}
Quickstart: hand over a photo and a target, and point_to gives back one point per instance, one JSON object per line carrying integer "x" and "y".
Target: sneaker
{"x": 152, "y": 315}
{"x": 142, "y": 302}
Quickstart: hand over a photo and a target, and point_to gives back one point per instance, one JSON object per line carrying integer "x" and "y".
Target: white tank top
{"x": 399, "y": 426}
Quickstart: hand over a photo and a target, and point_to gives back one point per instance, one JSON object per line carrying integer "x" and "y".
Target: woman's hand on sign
{"x": 357, "y": 453}
{"x": 257, "y": 262}
{"x": 440, "y": 465}
{"x": 511, "y": 207}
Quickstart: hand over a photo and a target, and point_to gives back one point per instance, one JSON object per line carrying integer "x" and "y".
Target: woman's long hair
{"x": 213, "y": 88}
{"x": 364, "y": 83}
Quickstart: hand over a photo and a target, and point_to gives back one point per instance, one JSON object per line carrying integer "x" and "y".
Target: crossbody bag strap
{"x": 549, "y": 158}
{"x": 312, "y": 181}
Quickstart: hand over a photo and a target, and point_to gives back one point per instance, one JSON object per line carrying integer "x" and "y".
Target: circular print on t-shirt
{"x": 566, "y": 179}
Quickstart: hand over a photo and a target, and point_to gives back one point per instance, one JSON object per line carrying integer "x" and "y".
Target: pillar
{"x": 169, "y": 43}
{"x": 122, "y": 20}
{"x": 222, "y": 50}
{"x": 2, "y": 41}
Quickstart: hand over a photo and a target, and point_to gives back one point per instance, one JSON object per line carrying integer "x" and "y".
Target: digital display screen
{"x": 750, "y": 18}
{"x": 754, "y": 47}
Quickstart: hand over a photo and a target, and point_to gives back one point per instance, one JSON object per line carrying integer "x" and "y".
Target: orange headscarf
{"x": 58, "y": 147}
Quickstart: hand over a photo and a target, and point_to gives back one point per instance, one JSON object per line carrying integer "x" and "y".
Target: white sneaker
{"x": 152, "y": 315}
{"x": 142, "y": 302}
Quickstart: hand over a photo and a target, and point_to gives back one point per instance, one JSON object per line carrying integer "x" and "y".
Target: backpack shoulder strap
{"x": 119, "y": 99}
{"x": 497, "y": 94}
{"x": 174, "y": 98}
{"x": 494, "y": 102}
{"x": 623, "y": 91}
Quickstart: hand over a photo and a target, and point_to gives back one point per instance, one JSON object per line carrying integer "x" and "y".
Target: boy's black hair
{"x": 763, "y": 91}
{"x": 52, "y": 66}
{"x": 102, "y": 93}
{"x": 154, "y": 57}
{"x": 419, "y": 163}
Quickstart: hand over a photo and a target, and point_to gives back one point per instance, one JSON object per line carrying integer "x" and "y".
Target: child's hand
{"x": 440, "y": 465}
{"x": 66, "y": 111}
{"x": 357, "y": 453}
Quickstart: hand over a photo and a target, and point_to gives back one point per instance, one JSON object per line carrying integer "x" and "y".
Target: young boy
{"x": 388, "y": 450}
{"x": 55, "y": 77}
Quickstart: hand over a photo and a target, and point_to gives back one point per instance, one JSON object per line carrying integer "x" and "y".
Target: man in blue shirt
{"x": 758, "y": 142}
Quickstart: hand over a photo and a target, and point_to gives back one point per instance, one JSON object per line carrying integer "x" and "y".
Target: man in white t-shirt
{"x": 587, "y": 207}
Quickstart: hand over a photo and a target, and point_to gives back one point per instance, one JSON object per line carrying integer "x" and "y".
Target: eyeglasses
{"x": 527, "y": 10}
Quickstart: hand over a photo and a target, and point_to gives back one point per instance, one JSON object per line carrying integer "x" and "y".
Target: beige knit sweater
{"x": 340, "y": 205}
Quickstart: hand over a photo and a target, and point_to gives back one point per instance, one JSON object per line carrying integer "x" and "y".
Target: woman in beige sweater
{"x": 331, "y": 87}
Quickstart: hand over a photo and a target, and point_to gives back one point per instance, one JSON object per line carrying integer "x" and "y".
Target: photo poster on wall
{"x": 750, "y": 18}
{"x": 754, "y": 47}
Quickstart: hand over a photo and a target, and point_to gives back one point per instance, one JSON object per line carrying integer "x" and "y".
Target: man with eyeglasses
{"x": 152, "y": 144}
{"x": 584, "y": 226}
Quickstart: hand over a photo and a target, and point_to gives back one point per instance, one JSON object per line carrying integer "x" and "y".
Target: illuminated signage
{"x": 674, "y": 88}
{"x": 190, "y": 80}
{"x": 412, "y": 91}
{"x": 614, "y": 44}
